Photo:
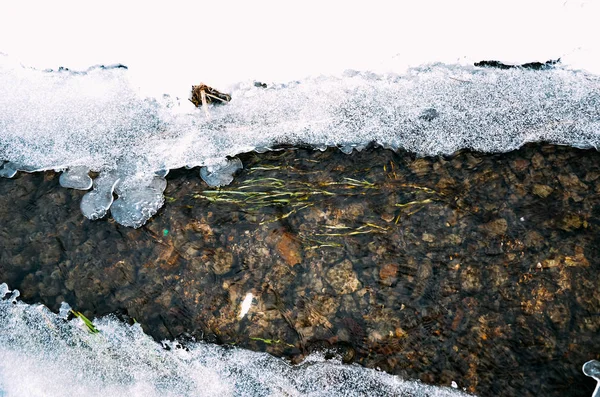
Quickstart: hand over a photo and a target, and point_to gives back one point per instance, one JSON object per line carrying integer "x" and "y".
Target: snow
{"x": 168, "y": 47}
{"x": 95, "y": 120}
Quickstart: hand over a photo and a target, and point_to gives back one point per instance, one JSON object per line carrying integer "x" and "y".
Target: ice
{"x": 8, "y": 170}
{"x": 220, "y": 173}
{"x": 135, "y": 206}
{"x": 43, "y": 354}
{"x": 64, "y": 311}
{"x": 95, "y": 120}
{"x": 76, "y": 178}
{"x": 592, "y": 369}
{"x": 4, "y": 291}
{"x": 347, "y": 149}
{"x": 95, "y": 204}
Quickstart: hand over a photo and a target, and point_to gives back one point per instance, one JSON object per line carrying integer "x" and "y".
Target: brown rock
{"x": 471, "y": 279}
{"x": 542, "y": 190}
{"x": 578, "y": 259}
{"x": 222, "y": 261}
{"x": 520, "y": 165}
{"x": 496, "y": 227}
{"x": 445, "y": 183}
{"x": 534, "y": 239}
{"x": 388, "y": 273}
{"x": 342, "y": 278}
{"x": 286, "y": 246}
{"x": 572, "y": 182}
{"x": 289, "y": 249}
{"x": 550, "y": 263}
{"x": 559, "y": 313}
{"x": 570, "y": 222}
{"x": 537, "y": 161}
{"x": 429, "y": 238}
{"x": 420, "y": 167}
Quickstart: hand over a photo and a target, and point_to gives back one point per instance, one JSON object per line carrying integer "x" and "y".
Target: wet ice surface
{"x": 76, "y": 178}
{"x": 592, "y": 369}
{"x": 8, "y": 170}
{"x": 95, "y": 204}
{"x": 220, "y": 174}
{"x": 60, "y": 356}
{"x": 96, "y": 120}
{"x": 136, "y": 205}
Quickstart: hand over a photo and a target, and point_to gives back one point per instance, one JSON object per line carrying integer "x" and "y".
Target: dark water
{"x": 482, "y": 269}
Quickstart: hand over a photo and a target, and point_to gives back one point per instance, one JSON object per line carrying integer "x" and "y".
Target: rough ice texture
{"x": 57, "y": 356}
{"x": 94, "y": 119}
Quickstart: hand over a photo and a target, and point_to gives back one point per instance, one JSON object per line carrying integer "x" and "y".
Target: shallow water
{"x": 44, "y": 354}
{"x": 475, "y": 268}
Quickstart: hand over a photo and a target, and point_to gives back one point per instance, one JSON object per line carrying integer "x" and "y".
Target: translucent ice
{"x": 348, "y": 148}
{"x": 95, "y": 204}
{"x": 64, "y": 310}
{"x": 8, "y": 170}
{"x": 134, "y": 207}
{"x": 96, "y": 120}
{"x": 76, "y": 178}
{"x": 220, "y": 173}
{"x": 57, "y": 356}
{"x": 592, "y": 369}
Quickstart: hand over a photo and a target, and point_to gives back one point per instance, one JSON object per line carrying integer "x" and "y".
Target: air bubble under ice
{"x": 58, "y": 357}
{"x": 96, "y": 120}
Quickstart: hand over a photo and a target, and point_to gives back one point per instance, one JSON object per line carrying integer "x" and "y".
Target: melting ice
{"x": 44, "y": 354}
{"x": 94, "y": 120}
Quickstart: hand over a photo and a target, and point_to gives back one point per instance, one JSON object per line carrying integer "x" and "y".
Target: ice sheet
{"x": 96, "y": 120}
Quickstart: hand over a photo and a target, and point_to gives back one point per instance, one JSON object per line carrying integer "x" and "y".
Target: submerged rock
{"x": 365, "y": 253}
{"x": 342, "y": 278}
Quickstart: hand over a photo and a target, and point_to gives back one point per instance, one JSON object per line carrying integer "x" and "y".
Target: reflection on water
{"x": 479, "y": 269}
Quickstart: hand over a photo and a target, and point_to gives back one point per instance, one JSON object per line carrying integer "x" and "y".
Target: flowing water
{"x": 394, "y": 222}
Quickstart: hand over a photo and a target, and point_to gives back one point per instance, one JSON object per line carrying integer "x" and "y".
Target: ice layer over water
{"x": 44, "y": 354}
{"x": 94, "y": 120}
